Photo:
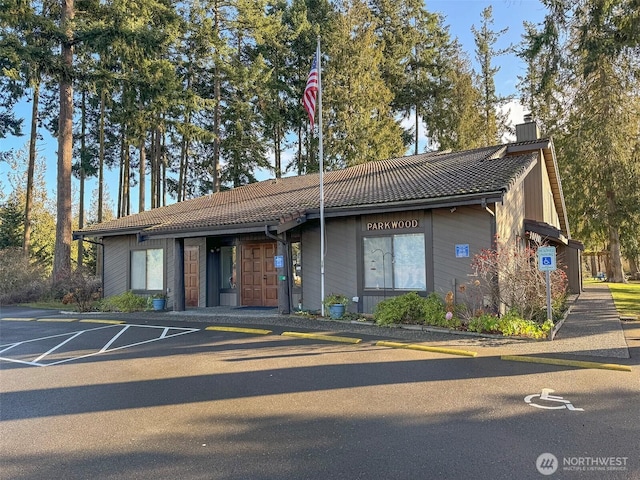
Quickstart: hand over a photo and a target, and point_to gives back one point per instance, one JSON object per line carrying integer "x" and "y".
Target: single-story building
{"x": 391, "y": 226}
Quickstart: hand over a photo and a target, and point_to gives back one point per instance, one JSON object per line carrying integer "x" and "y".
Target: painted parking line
{"x": 316, "y": 336}
{"x": 65, "y": 347}
{"x": 426, "y": 348}
{"x": 256, "y": 331}
{"x": 17, "y": 319}
{"x": 566, "y": 363}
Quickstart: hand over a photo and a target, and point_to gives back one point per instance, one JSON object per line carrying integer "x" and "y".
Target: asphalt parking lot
{"x": 108, "y": 398}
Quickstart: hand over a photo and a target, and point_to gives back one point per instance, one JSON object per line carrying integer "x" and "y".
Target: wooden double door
{"x": 259, "y": 280}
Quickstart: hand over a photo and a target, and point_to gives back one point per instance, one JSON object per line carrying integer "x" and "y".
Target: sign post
{"x": 547, "y": 264}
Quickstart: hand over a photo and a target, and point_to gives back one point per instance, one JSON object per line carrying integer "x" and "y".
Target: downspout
{"x": 287, "y": 265}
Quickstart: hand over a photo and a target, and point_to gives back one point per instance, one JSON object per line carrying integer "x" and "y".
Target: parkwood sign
{"x": 393, "y": 225}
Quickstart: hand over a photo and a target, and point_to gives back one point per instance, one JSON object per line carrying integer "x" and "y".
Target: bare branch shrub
{"x": 509, "y": 277}
{"x": 80, "y": 288}
{"x": 20, "y": 280}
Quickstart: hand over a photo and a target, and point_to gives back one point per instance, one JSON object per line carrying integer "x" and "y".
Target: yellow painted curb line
{"x": 66, "y": 320}
{"x": 256, "y": 331}
{"x": 315, "y": 336}
{"x": 425, "y": 348}
{"x": 17, "y": 319}
{"x": 110, "y": 322}
{"x": 566, "y": 363}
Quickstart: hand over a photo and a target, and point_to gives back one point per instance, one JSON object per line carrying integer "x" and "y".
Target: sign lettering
{"x": 393, "y": 225}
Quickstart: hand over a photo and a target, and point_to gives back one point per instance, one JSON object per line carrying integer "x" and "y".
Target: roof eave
{"x": 201, "y": 231}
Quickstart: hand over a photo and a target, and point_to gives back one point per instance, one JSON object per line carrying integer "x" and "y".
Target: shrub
{"x": 509, "y": 276}
{"x": 125, "y": 302}
{"x": 409, "y": 308}
{"x": 485, "y": 323}
{"x": 20, "y": 280}
{"x": 82, "y": 288}
{"x": 434, "y": 311}
{"x": 439, "y": 313}
{"x": 336, "y": 299}
{"x": 509, "y": 324}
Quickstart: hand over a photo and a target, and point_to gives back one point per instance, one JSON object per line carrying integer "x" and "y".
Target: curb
{"x": 329, "y": 338}
{"x": 424, "y": 348}
{"x": 57, "y": 320}
{"x": 556, "y": 327}
{"x": 566, "y": 363}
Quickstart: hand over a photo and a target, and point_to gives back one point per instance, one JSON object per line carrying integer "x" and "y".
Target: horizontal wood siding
{"x": 549, "y": 213}
{"x": 340, "y": 264}
{"x": 341, "y": 261}
{"x": 534, "y": 202}
{"x": 369, "y": 302}
{"x": 311, "y": 268}
{"x": 539, "y": 203}
{"x": 466, "y": 225}
{"x": 229, "y": 299}
{"x": 116, "y": 264}
{"x": 510, "y": 215}
{"x": 170, "y": 269}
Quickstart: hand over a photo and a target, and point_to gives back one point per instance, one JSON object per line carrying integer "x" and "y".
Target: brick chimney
{"x": 528, "y": 130}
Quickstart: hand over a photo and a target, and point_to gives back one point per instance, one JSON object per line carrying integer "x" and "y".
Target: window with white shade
{"x": 395, "y": 262}
{"x": 147, "y": 269}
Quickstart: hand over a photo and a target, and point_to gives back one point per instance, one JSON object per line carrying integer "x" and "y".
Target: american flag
{"x": 311, "y": 90}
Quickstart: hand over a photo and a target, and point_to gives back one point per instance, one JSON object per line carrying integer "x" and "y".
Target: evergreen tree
{"x": 485, "y": 38}
{"x": 358, "y": 121}
{"x": 598, "y": 144}
{"x": 242, "y": 146}
{"x": 458, "y": 122}
{"x": 62, "y": 256}
{"x": 11, "y": 224}
{"x": 416, "y": 46}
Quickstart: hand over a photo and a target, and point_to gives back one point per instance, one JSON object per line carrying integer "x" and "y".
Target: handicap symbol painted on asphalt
{"x": 545, "y": 397}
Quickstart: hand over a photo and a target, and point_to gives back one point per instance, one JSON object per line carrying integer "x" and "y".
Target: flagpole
{"x": 321, "y": 166}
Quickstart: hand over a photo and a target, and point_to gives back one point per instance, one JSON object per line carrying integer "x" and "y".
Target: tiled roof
{"x": 411, "y": 179}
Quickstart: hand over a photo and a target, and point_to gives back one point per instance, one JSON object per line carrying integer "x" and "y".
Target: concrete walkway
{"x": 591, "y": 329}
{"x": 593, "y": 326}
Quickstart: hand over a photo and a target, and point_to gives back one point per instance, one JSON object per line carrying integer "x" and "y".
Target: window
{"x": 147, "y": 269}
{"x": 296, "y": 261}
{"x": 228, "y": 267}
{"x": 395, "y": 262}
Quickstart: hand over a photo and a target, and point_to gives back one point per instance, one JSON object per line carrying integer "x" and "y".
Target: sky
{"x": 460, "y": 15}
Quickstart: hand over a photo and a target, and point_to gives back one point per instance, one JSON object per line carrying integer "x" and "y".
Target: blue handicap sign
{"x": 278, "y": 261}
{"x": 462, "y": 250}
{"x": 547, "y": 258}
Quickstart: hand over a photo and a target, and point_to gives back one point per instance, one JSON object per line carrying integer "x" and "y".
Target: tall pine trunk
{"x": 101, "y": 156}
{"x": 615, "y": 271}
{"x": 62, "y": 251}
{"x": 26, "y": 241}
{"x": 142, "y": 174}
{"x": 83, "y": 155}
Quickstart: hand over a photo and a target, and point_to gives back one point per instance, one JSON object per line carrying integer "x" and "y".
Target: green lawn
{"x": 627, "y": 298}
